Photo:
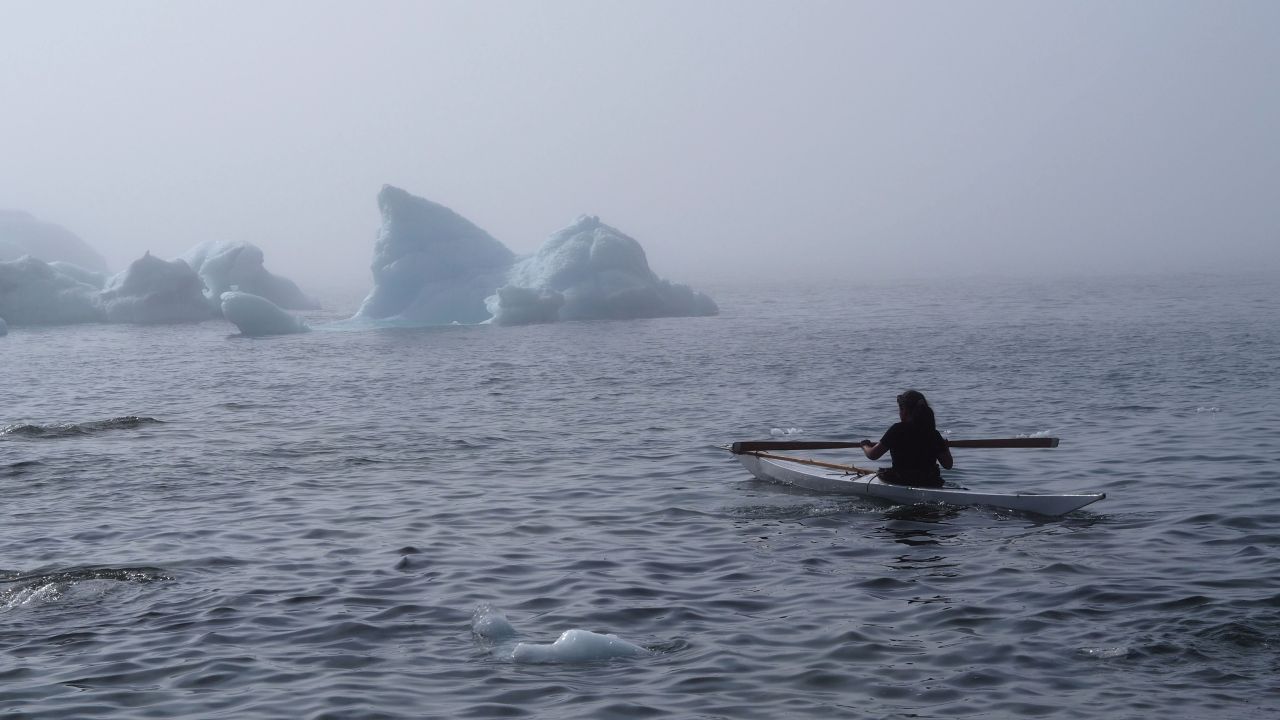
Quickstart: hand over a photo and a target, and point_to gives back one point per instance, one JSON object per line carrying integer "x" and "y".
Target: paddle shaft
{"x": 847, "y": 468}
{"x": 1027, "y": 442}
{"x": 758, "y": 445}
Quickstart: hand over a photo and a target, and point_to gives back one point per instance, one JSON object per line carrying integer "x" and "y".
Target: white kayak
{"x": 827, "y": 477}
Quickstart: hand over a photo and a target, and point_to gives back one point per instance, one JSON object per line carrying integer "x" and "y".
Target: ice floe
{"x": 575, "y": 646}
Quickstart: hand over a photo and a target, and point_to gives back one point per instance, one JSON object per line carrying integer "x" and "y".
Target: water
{"x": 204, "y": 525}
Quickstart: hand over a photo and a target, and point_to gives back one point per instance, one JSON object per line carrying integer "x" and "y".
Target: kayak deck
{"x": 825, "y": 477}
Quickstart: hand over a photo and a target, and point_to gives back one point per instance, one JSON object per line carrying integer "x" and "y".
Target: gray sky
{"x": 731, "y": 138}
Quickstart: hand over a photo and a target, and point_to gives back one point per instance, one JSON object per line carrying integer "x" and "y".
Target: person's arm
{"x": 874, "y": 451}
{"x": 944, "y": 453}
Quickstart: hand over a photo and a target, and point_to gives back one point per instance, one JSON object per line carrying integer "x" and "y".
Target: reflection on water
{"x": 922, "y": 524}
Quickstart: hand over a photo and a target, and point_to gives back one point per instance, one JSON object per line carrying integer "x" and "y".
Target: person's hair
{"x": 917, "y": 409}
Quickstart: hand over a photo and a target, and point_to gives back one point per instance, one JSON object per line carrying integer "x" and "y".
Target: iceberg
{"x": 22, "y": 234}
{"x": 155, "y": 291}
{"x": 591, "y": 271}
{"x": 4, "y": 329}
{"x": 33, "y": 292}
{"x": 225, "y": 266}
{"x": 151, "y": 291}
{"x": 513, "y": 305}
{"x": 88, "y": 277}
{"x": 434, "y": 267}
{"x": 431, "y": 266}
{"x": 257, "y": 316}
{"x": 49, "y": 276}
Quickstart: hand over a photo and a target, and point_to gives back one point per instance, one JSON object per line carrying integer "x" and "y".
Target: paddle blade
{"x": 1035, "y": 442}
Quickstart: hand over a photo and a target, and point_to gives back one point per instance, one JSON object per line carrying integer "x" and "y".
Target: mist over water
{"x": 845, "y": 137}
{"x": 200, "y": 524}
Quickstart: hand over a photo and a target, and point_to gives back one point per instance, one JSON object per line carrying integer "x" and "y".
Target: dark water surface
{"x": 203, "y": 525}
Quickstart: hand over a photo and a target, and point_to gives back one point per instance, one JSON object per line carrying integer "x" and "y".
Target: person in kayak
{"x": 914, "y": 443}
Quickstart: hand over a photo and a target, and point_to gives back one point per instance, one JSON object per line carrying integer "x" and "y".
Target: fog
{"x": 732, "y": 139}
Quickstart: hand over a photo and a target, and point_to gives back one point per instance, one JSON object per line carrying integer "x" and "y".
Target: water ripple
{"x": 310, "y": 531}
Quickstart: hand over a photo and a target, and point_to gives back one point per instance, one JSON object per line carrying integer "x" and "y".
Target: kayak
{"x": 847, "y": 480}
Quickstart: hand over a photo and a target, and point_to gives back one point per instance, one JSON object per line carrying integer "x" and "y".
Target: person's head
{"x": 913, "y": 408}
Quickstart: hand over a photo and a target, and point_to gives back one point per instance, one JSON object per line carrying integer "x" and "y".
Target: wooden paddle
{"x": 758, "y": 445}
{"x": 851, "y": 469}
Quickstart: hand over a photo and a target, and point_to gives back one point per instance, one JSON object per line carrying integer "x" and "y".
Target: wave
{"x": 20, "y": 467}
{"x": 53, "y": 431}
{"x": 20, "y": 590}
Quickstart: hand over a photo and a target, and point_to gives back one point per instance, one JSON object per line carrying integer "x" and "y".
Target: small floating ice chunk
{"x": 1208, "y": 409}
{"x": 488, "y": 623}
{"x": 575, "y": 646}
{"x": 578, "y": 646}
{"x": 258, "y": 316}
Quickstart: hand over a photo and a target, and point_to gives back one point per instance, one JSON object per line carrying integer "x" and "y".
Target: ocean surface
{"x": 330, "y": 525}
